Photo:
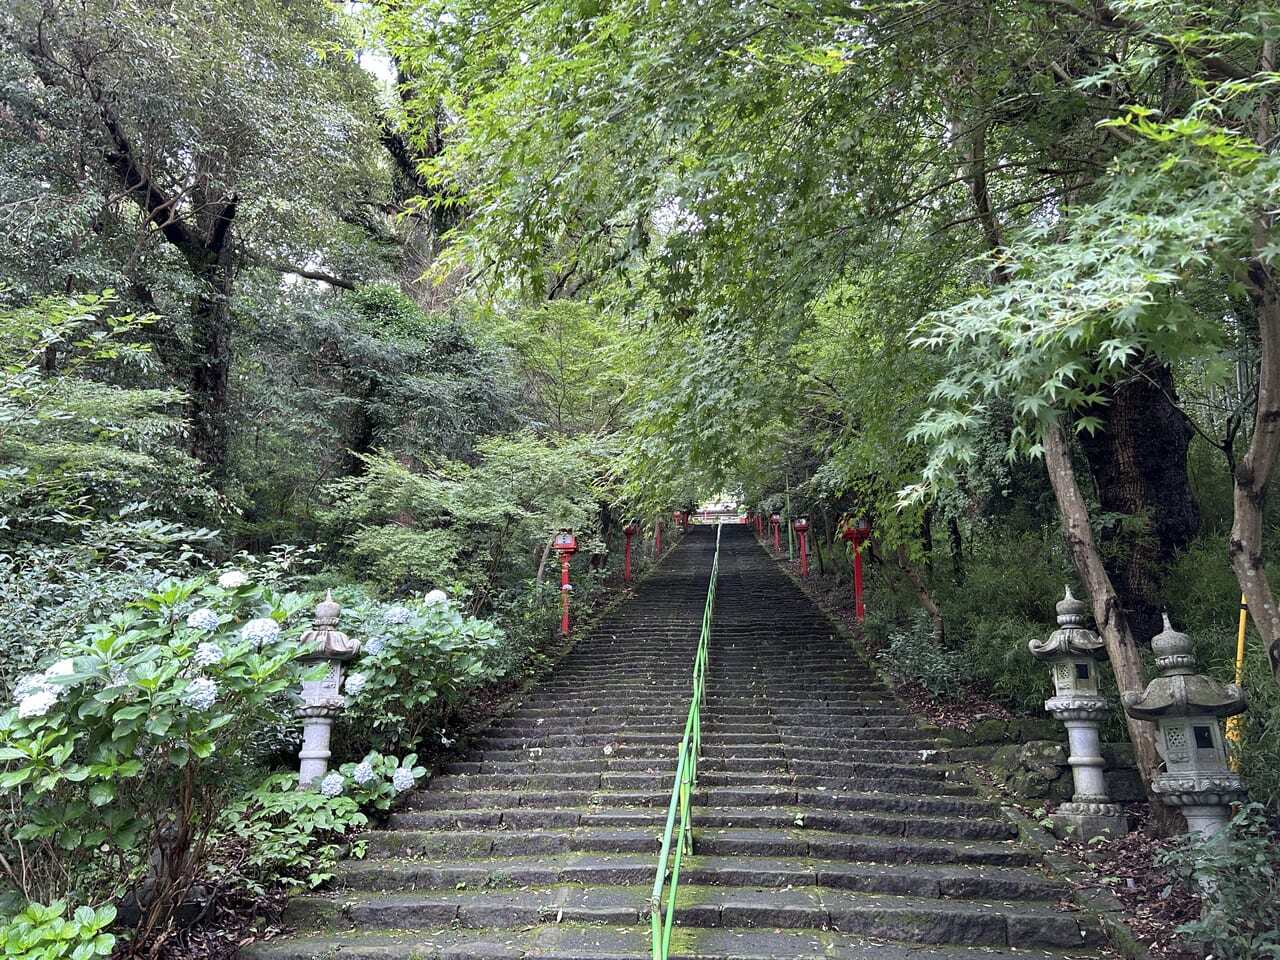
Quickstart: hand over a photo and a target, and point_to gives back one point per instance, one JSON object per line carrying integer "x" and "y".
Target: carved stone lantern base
{"x": 1083, "y": 821}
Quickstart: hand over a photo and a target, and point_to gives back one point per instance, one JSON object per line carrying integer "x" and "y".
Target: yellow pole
{"x": 1233, "y": 723}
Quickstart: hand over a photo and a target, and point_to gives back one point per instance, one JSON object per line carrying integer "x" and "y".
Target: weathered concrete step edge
{"x": 932, "y": 881}
{"x": 921, "y": 804}
{"x": 592, "y": 942}
{"x": 915, "y": 920}
{"x": 844, "y": 822}
{"x": 737, "y": 757}
{"x": 921, "y": 775}
{"x": 474, "y": 844}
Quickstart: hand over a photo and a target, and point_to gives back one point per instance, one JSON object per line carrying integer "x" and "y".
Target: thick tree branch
{"x": 308, "y": 274}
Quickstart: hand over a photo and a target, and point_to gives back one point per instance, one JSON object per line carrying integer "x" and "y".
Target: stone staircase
{"x": 826, "y": 823}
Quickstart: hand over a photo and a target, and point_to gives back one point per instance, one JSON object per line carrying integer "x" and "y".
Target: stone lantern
{"x": 1072, "y": 652}
{"x": 1185, "y": 707}
{"x": 322, "y": 700}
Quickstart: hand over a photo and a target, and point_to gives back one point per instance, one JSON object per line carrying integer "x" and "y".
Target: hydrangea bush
{"x": 417, "y": 661}
{"x": 126, "y": 746}
{"x": 374, "y": 782}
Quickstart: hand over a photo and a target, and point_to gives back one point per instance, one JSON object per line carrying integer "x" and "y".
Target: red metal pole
{"x": 804, "y": 555}
{"x": 564, "y": 592}
{"x": 626, "y": 565}
{"x": 776, "y": 547}
{"x": 857, "y": 584}
{"x": 657, "y": 540}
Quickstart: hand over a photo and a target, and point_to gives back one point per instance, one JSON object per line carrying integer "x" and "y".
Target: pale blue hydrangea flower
{"x": 363, "y": 772}
{"x": 374, "y": 645}
{"x": 203, "y": 619}
{"x": 261, "y": 631}
{"x": 434, "y": 597}
{"x": 31, "y": 683}
{"x": 232, "y": 579}
{"x": 37, "y": 704}
{"x": 118, "y": 674}
{"x": 355, "y": 683}
{"x": 63, "y": 668}
{"x": 331, "y": 786}
{"x": 402, "y": 779}
{"x": 207, "y": 654}
{"x": 202, "y": 693}
{"x": 397, "y": 614}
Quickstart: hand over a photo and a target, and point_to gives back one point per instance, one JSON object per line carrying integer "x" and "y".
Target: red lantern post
{"x": 657, "y": 538}
{"x": 856, "y": 534}
{"x": 565, "y": 544}
{"x": 629, "y": 529}
{"x": 775, "y": 521}
{"x": 801, "y": 526}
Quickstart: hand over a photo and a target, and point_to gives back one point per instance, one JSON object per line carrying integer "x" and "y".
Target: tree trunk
{"x": 922, "y": 591}
{"x": 1255, "y": 469}
{"x": 208, "y": 409}
{"x": 1139, "y": 464}
{"x": 957, "y": 549}
{"x": 1108, "y": 613}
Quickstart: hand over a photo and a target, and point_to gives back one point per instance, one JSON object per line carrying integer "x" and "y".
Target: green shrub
{"x": 914, "y": 655}
{"x": 41, "y": 932}
{"x": 277, "y": 835}
{"x": 126, "y": 747}
{"x": 1237, "y": 873}
{"x": 994, "y": 651}
{"x": 413, "y": 670}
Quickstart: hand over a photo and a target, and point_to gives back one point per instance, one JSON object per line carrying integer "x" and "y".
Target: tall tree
{"x": 203, "y": 141}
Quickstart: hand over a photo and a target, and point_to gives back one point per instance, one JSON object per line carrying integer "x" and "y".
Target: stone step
{"x": 766, "y": 818}
{"x": 566, "y": 941}
{"x": 919, "y": 920}
{"x": 936, "y": 881}
{"x": 712, "y": 841}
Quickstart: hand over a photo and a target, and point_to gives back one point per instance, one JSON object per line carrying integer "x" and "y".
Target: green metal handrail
{"x": 682, "y": 789}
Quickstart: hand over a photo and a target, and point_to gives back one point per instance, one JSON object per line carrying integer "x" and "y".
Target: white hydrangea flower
{"x": 207, "y": 654}
{"x": 201, "y": 694}
{"x": 203, "y": 619}
{"x": 397, "y": 614}
{"x": 363, "y": 772}
{"x": 63, "y": 668}
{"x": 31, "y": 683}
{"x": 355, "y": 683}
{"x": 434, "y": 597}
{"x": 374, "y": 646}
{"x": 37, "y": 704}
{"x": 402, "y": 779}
{"x": 261, "y": 631}
{"x": 331, "y": 786}
{"x": 232, "y": 579}
{"x": 117, "y": 674}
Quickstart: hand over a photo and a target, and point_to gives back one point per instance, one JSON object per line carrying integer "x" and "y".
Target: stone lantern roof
{"x": 324, "y": 641}
{"x": 1180, "y": 691}
{"x": 1072, "y": 638}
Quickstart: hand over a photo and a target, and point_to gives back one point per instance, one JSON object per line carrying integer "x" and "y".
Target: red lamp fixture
{"x": 629, "y": 530}
{"x": 564, "y": 543}
{"x": 801, "y": 526}
{"x": 855, "y": 533}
